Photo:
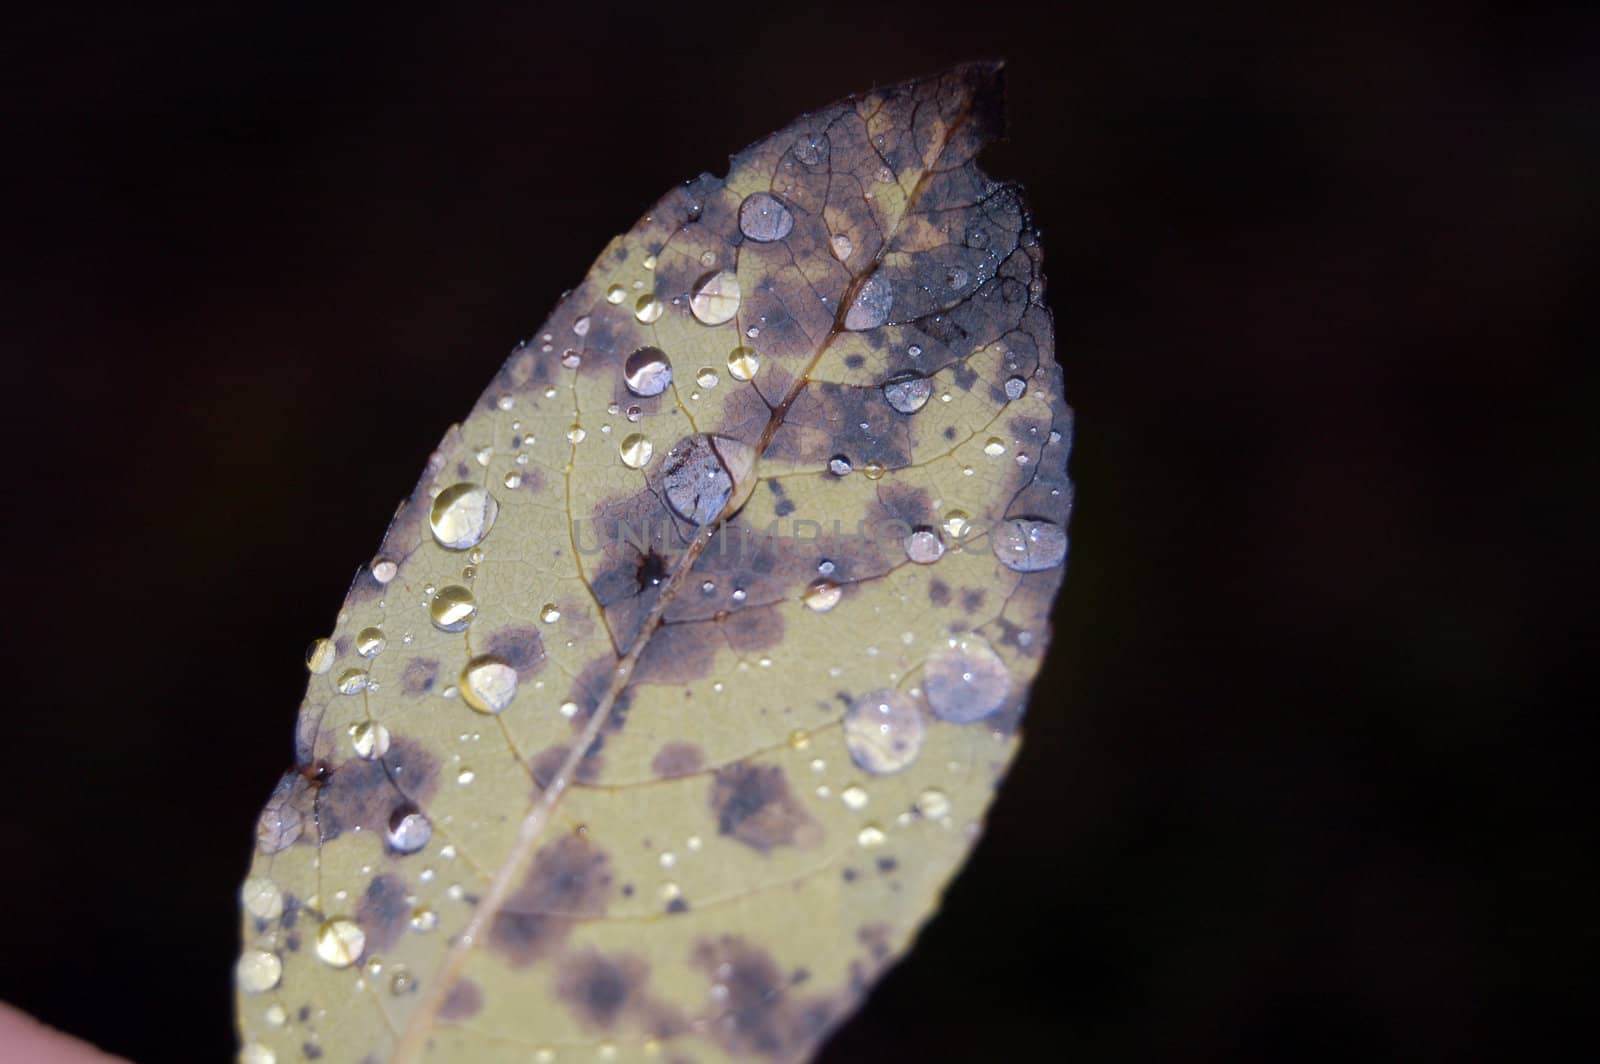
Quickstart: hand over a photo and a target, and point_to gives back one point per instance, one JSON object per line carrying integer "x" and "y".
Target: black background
{"x": 1288, "y": 789}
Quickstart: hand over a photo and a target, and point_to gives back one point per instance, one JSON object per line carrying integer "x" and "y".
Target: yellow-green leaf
{"x": 678, "y": 687}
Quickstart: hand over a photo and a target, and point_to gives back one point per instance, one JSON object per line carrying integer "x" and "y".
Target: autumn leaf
{"x": 680, "y": 684}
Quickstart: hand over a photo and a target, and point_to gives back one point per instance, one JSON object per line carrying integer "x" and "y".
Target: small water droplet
{"x": 616, "y": 294}
{"x": 701, "y": 474}
{"x": 884, "y": 731}
{"x": 258, "y": 971}
{"x": 462, "y": 515}
{"x": 933, "y": 805}
{"x": 452, "y": 608}
{"x": 636, "y": 450}
{"x": 262, "y": 898}
{"x": 550, "y": 614}
{"x": 320, "y": 655}
{"x": 256, "y": 1053}
{"x": 383, "y": 570}
{"x": 276, "y": 1015}
{"x": 870, "y": 836}
{"x": 512, "y": 480}
{"x": 568, "y": 710}
{"x": 706, "y": 378}
{"x": 854, "y": 797}
{"x": 871, "y": 306}
{"x": 822, "y": 595}
{"x": 924, "y": 547}
{"x": 466, "y": 776}
{"x": 743, "y": 363}
{"x": 957, "y": 526}
{"x": 715, "y": 299}
{"x": 633, "y": 413}
{"x": 409, "y": 830}
{"x": 908, "y": 393}
{"x": 873, "y": 470}
{"x": 340, "y": 942}
{"x": 965, "y": 680}
{"x": 1016, "y": 387}
{"x": 352, "y": 681}
{"x": 647, "y": 372}
{"x": 424, "y": 919}
{"x": 839, "y": 465}
{"x": 763, "y": 218}
{"x": 488, "y": 684}
{"x": 370, "y": 642}
{"x": 581, "y": 326}
{"x": 811, "y": 149}
{"x": 576, "y": 434}
{"x": 994, "y": 447}
{"x": 977, "y": 238}
{"x": 648, "y": 309}
{"x": 841, "y": 246}
{"x": 1029, "y": 545}
{"x": 370, "y": 739}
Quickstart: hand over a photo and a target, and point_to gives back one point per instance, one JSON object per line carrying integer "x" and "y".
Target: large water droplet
{"x": 822, "y": 595}
{"x": 353, "y": 681}
{"x": 616, "y": 294}
{"x": 811, "y": 149}
{"x": 1029, "y": 545}
{"x": 258, "y": 971}
{"x": 716, "y": 297}
{"x": 462, "y": 515}
{"x": 452, "y": 608}
{"x": 636, "y": 450}
{"x": 370, "y": 642}
{"x": 743, "y": 363}
{"x": 871, "y": 306}
{"x": 647, "y": 371}
{"x": 648, "y": 309}
{"x": 488, "y": 684}
{"x": 883, "y": 731}
{"x": 908, "y": 393}
{"x": 965, "y": 680}
{"x": 763, "y": 218}
{"x": 340, "y": 942}
{"x": 320, "y": 655}
{"x": 706, "y": 378}
{"x": 409, "y": 830}
{"x": 370, "y": 740}
{"x": 701, "y": 474}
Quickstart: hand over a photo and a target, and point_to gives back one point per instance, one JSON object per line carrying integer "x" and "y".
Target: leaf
{"x": 680, "y": 684}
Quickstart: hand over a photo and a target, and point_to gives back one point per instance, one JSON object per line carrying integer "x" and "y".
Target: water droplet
{"x": 822, "y": 596}
{"x": 462, "y": 515}
{"x": 924, "y": 547}
{"x": 933, "y": 805}
{"x": 873, "y": 470}
{"x": 647, "y": 372}
{"x": 409, "y": 830}
{"x": 488, "y": 684}
{"x": 648, "y": 309}
{"x": 854, "y": 797}
{"x": 743, "y": 363}
{"x": 401, "y": 982}
{"x": 1016, "y": 387}
{"x": 370, "y": 740}
{"x": 811, "y": 149}
{"x": 701, "y": 474}
{"x": 636, "y": 450}
{"x": 994, "y": 447}
{"x": 716, "y": 297}
{"x": 841, "y": 246}
{"x": 957, "y": 525}
{"x": 966, "y": 680}
{"x": 977, "y": 238}
{"x": 256, "y": 1053}
{"x": 512, "y": 480}
{"x": 550, "y": 614}
{"x": 839, "y": 465}
{"x": 352, "y": 681}
{"x": 452, "y": 608}
{"x": 340, "y": 942}
{"x": 1029, "y": 545}
{"x": 383, "y": 570}
{"x": 581, "y": 326}
{"x": 870, "y": 836}
{"x": 576, "y": 434}
{"x": 262, "y": 898}
{"x": 706, "y": 378}
{"x": 616, "y": 294}
{"x": 763, "y": 218}
{"x": 884, "y": 732}
{"x": 370, "y": 642}
{"x": 424, "y": 919}
{"x": 276, "y": 1015}
{"x": 908, "y": 393}
{"x": 871, "y": 306}
{"x": 568, "y": 710}
{"x": 320, "y": 655}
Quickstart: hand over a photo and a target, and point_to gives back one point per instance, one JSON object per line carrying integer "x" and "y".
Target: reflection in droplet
{"x": 701, "y": 473}
{"x": 370, "y": 642}
{"x": 636, "y": 450}
{"x": 648, "y": 309}
{"x": 488, "y": 684}
{"x": 409, "y": 830}
{"x": 743, "y": 363}
{"x": 924, "y": 547}
{"x": 340, "y": 942}
{"x": 1029, "y": 545}
{"x": 320, "y": 655}
{"x": 908, "y": 393}
{"x": 452, "y": 608}
{"x": 822, "y": 595}
{"x": 647, "y": 372}
{"x": 370, "y": 739}
{"x": 352, "y": 681}
{"x": 965, "y": 680}
{"x": 884, "y": 731}
{"x": 462, "y": 515}
{"x": 763, "y": 218}
{"x": 715, "y": 298}
{"x": 871, "y": 306}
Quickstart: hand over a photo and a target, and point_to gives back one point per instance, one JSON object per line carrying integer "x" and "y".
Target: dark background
{"x": 1290, "y": 787}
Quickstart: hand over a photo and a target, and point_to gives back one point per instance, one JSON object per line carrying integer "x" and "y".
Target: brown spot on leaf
{"x": 419, "y": 676}
{"x": 569, "y": 879}
{"x": 464, "y": 1001}
{"x": 678, "y": 759}
{"x": 938, "y": 592}
{"x": 761, "y": 1013}
{"x": 383, "y": 913}
{"x": 548, "y": 762}
{"x": 600, "y": 989}
{"x": 358, "y": 793}
{"x": 520, "y": 647}
{"x": 753, "y": 804}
